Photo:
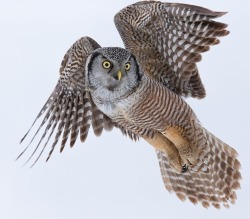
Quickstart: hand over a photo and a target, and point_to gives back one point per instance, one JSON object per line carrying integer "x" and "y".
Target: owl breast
{"x": 149, "y": 106}
{"x": 115, "y": 109}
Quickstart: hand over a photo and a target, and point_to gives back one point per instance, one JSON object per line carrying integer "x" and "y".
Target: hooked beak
{"x": 119, "y": 75}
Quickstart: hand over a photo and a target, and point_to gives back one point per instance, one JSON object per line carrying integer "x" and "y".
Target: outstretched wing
{"x": 70, "y": 109}
{"x": 167, "y": 39}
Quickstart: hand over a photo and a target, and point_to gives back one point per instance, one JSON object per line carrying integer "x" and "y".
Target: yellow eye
{"x": 127, "y": 66}
{"x": 106, "y": 64}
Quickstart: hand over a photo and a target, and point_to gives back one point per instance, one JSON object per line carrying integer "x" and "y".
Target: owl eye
{"x": 127, "y": 66}
{"x": 106, "y": 64}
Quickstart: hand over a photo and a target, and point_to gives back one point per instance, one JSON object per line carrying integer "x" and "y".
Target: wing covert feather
{"x": 168, "y": 39}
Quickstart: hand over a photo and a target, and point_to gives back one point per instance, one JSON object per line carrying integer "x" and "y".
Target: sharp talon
{"x": 184, "y": 168}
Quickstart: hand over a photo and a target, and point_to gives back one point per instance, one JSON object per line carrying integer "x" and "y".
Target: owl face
{"x": 112, "y": 72}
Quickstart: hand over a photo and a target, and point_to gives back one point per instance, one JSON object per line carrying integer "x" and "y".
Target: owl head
{"x": 112, "y": 72}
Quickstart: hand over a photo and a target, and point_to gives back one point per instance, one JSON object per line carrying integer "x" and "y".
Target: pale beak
{"x": 119, "y": 75}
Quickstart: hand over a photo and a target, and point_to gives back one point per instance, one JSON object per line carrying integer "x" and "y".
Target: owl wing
{"x": 168, "y": 39}
{"x": 70, "y": 109}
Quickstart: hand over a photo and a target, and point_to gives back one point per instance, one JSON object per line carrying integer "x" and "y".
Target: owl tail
{"x": 224, "y": 167}
{"x": 214, "y": 185}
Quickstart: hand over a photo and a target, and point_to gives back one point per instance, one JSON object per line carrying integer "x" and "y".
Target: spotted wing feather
{"x": 168, "y": 39}
{"x": 70, "y": 110}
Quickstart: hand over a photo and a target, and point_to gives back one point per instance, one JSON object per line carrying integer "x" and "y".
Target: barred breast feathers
{"x": 155, "y": 106}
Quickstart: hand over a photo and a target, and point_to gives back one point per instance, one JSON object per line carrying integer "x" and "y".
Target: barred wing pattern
{"x": 167, "y": 39}
{"x": 70, "y": 109}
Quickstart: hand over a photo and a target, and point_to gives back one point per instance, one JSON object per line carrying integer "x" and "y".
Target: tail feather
{"x": 216, "y": 186}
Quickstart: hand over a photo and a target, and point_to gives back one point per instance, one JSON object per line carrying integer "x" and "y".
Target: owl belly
{"x": 153, "y": 106}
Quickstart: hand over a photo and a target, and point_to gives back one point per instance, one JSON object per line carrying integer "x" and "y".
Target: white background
{"x": 107, "y": 177}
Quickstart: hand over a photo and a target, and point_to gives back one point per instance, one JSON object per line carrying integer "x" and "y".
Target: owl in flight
{"x": 140, "y": 91}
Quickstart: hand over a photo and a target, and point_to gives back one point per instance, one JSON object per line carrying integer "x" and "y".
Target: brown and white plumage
{"x": 163, "y": 41}
{"x": 167, "y": 39}
{"x": 213, "y": 177}
{"x": 70, "y": 109}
